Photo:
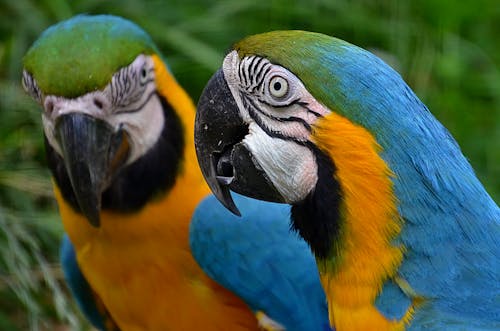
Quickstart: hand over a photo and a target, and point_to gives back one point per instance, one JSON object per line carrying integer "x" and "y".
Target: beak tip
{"x": 92, "y": 214}
{"x": 223, "y": 194}
{"x": 233, "y": 209}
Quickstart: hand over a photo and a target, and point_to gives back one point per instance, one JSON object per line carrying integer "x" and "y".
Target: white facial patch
{"x": 129, "y": 102}
{"x": 143, "y": 127}
{"x": 291, "y": 167}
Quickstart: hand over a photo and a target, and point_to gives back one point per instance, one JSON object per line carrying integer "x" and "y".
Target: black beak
{"x": 224, "y": 160}
{"x": 92, "y": 152}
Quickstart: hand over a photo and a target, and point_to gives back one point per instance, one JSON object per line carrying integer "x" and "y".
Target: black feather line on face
{"x": 283, "y": 119}
{"x": 260, "y": 77}
{"x": 305, "y": 105}
{"x": 138, "y": 108}
{"x": 317, "y": 217}
{"x": 135, "y": 185}
{"x": 257, "y": 74}
{"x": 253, "y": 110}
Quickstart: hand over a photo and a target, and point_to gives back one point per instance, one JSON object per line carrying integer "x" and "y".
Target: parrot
{"x": 404, "y": 234}
{"x": 119, "y": 141}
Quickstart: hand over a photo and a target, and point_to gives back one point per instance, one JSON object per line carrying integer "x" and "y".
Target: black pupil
{"x": 277, "y": 86}
{"x": 143, "y": 73}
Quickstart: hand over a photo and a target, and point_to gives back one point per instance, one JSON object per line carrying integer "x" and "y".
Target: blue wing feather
{"x": 260, "y": 259}
{"x": 80, "y": 288}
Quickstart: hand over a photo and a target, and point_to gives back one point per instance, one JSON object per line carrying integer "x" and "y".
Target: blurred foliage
{"x": 446, "y": 50}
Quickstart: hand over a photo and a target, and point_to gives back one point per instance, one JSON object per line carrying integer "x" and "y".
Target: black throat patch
{"x": 317, "y": 217}
{"x": 153, "y": 174}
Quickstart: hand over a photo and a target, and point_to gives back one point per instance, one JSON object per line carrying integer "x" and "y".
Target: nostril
{"x": 49, "y": 106}
{"x": 98, "y": 103}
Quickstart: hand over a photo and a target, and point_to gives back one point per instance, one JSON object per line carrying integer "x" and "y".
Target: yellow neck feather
{"x": 366, "y": 257}
{"x": 178, "y": 98}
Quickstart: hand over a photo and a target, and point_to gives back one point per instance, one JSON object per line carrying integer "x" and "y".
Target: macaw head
{"x": 107, "y": 117}
{"x": 295, "y": 116}
{"x": 256, "y": 120}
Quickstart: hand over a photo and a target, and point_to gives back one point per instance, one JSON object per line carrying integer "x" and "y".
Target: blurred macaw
{"x": 119, "y": 142}
{"x": 404, "y": 234}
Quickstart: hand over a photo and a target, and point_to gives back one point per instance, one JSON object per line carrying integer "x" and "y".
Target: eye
{"x": 278, "y": 86}
{"x": 143, "y": 75}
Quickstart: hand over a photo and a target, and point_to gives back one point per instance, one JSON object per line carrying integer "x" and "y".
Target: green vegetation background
{"x": 448, "y": 52}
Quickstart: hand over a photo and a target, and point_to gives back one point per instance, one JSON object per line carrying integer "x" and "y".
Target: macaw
{"x": 404, "y": 234}
{"x": 119, "y": 143}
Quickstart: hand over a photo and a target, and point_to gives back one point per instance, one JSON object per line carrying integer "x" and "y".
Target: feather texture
{"x": 109, "y": 42}
{"x": 259, "y": 258}
{"x": 133, "y": 269}
{"x": 450, "y": 232}
{"x": 80, "y": 288}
